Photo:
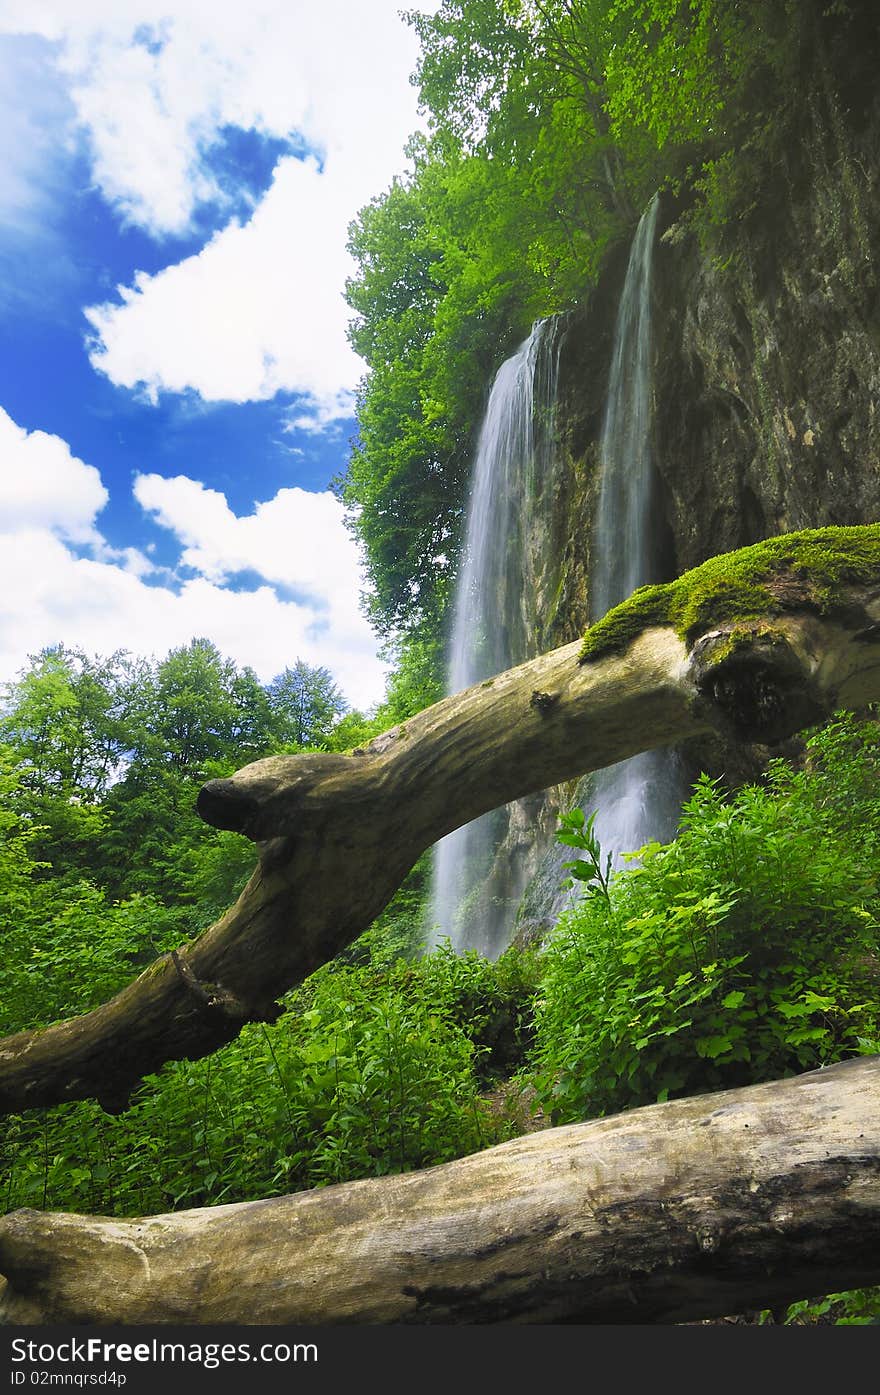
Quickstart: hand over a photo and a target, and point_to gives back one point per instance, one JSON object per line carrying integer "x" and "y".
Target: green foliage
{"x": 102, "y": 854}
{"x": 18, "y": 865}
{"x": 419, "y": 406}
{"x": 68, "y": 718}
{"x": 416, "y": 679}
{"x": 860, "y": 1307}
{"x": 215, "y": 872}
{"x": 593, "y": 869}
{"x": 305, "y": 703}
{"x": 374, "y": 1069}
{"x": 111, "y": 753}
{"x": 491, "y": 1002}
{"x": 745, "y": 585}
{"x": 388, "y": 1077}
{"x": 65, "y": 947}
{"x": 66, "y": 721}
{"x": 414, "y": 683}
{"x": 744, "y": 951}
{"x": 67, "y": 950}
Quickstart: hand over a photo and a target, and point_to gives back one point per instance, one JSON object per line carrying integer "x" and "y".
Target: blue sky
{"x": 176, "y": 386}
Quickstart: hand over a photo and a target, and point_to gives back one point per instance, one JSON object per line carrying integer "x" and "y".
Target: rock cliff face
{"x": 766, "y": 396}
{"x": 766, "y": 371}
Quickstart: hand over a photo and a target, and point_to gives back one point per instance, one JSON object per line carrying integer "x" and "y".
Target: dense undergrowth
{"x": 381, "y": 1064}
{"x": 745, "y": 950}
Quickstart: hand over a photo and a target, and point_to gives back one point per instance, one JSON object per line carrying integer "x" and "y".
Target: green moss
{"x": 647, "y": 606}
{"x": 795, "y": 571}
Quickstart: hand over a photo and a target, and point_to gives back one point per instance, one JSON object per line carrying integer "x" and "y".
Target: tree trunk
{"x": 337, "y": 834}
{"x": 697, "y": 1208}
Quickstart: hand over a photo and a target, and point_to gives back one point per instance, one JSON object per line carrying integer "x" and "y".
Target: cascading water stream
{"x": 494, "y": 625}
{"x": 637, "y": 800}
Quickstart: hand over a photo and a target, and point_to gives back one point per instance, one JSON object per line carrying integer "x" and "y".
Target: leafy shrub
{"x": 371, "y": 1071}
{"x": 746, "y": 950}
{"x": 68, "y": 949}
{"x": 859, "y": 1307}
{"x": 491, "y": 1002}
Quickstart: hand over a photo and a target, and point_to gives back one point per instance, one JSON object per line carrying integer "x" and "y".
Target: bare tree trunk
{"x": 697, "y": 1208}
{"x": 337, "y": 834}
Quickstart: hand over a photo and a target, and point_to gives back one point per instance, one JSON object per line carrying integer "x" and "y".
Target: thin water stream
{"x": 638, "y": 800}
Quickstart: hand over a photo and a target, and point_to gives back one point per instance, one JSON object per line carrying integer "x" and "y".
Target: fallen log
{"x": 757, "y": 644}
{"x": 692, "y": 1209}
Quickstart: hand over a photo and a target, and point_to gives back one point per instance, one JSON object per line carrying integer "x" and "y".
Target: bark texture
{"x": 691, "y": 1209}
{"x": 336, "y": 834}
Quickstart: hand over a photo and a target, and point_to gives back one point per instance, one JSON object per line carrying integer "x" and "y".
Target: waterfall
{"x": 497, "y": 618}
{"x": 495, "y": 622}
{"x": 637, "y": 799}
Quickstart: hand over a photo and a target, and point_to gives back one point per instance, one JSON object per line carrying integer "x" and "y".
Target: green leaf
{"x": 734, "y": 999}
{"x": 712, "y": 1047}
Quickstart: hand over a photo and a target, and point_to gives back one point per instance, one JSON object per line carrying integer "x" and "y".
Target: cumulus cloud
{"x": 154, "y": 86}
{"x": 154, "y": 81}
{"x": 49, "y": 596}
{"x": 298, "y": 541}
{"x": 43, "y": 485}
{"x": 51, "y": 593}
{"x": 257, "y": 310}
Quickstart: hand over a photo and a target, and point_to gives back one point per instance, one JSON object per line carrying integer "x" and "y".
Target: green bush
{"x": 746, "y": 950}
{"x": 68, "y": 949}
{"x": 374, "y": 1069}
{"x": 859, "y": 1307}
{"x": 491, "y": 1002}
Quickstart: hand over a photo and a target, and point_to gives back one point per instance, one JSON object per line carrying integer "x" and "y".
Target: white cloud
{"x": 49, "y": 501}
{"x": 43, "y": 485}
{"x": 49, "y": 596}
{"x": 257, "y": 310}
{"x": 297, "y": 540}
{"x": 155, "y": 80}
{"x": 154, "y": 83}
